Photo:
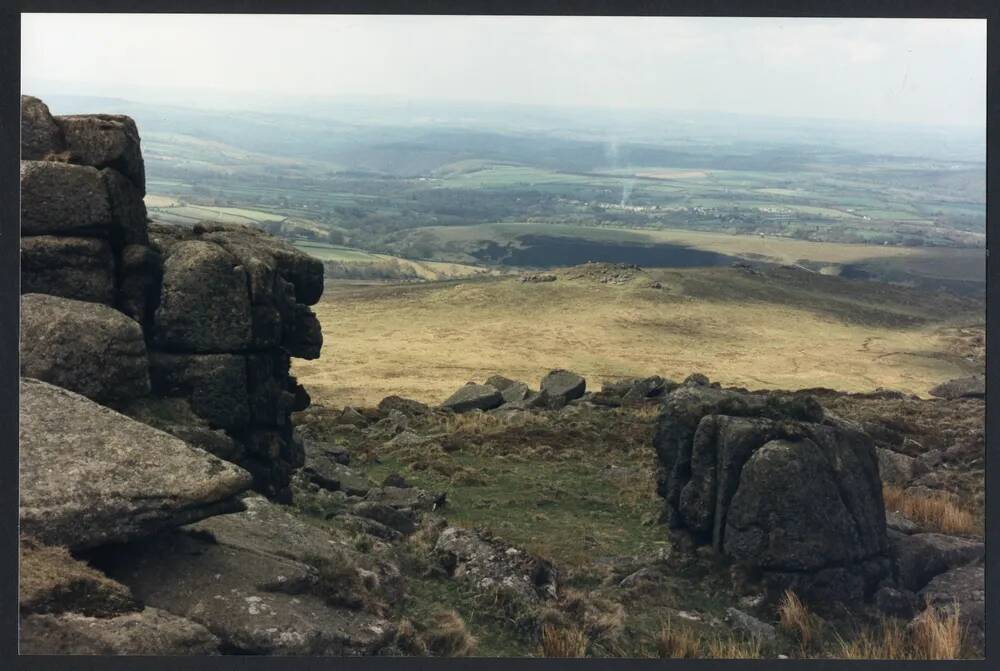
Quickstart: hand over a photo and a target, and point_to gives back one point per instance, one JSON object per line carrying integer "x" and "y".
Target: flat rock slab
{"x": 255, "y": 602}
{"x": 40, "y": 136}
{"x": 148, "y": 632}
{"x": 91, "y": 476}
{"x": 91, "y": 349}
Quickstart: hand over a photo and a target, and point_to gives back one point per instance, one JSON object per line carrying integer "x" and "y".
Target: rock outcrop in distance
{"x": 195, "y": 327}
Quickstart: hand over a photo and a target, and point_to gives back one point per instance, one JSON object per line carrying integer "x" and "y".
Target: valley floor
{"x": 765, "y": 327}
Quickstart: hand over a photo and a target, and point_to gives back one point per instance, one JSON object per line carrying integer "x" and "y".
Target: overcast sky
{"x": 900, "y": 70}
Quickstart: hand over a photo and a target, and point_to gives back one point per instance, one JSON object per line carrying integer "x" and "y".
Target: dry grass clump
{"x": 447, "y": 636}
{"x": 795, "y": 617}
{"x": 676, "y": 642}
{"x": 484, "y": 424}
{"x": 682, "y": 642}
{"x": 938, "y": 634}
{"x": 730, "y": 647}
{"x": 601, "y": 620}
{"x": 935, "y": 634}
{"x": 933, "y": 512}
{"x": 563, "y": 642}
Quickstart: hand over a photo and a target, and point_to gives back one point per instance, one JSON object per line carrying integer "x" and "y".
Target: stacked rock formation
{"x": 195, "y": 327}
{"x": 771, "y": 482}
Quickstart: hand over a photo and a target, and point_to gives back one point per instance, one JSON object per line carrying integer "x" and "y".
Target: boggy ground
{"x": 762, "y": 327}
{"x": 574, "y": 489}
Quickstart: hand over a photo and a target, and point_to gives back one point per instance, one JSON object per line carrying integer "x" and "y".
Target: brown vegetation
{"x": 563, "y": 642}
{"x": 933, "y": 512}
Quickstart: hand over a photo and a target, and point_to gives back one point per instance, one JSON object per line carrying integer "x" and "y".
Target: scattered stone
{"x": 538, "y": 277}
{"x": 90, "y": 476}
{"x": 896, "y": 468}
{"x": 91, "y": 349}
{"x": 405, "y": 406}
{"x": 562, "y": 386}
{"x": 896, "y": 602}
{"x": 488, "y": 565}
{"x": 473, "y": 397}
{"x": 973, "y": 386}
{"x": 920, "y": 557}
{"x": 395, "y": 480}
{"x": 403, "y": 521}
{"x": 898, "y": 522}
{"x": 749, "y": 626}
{"x": 696, "y": 380}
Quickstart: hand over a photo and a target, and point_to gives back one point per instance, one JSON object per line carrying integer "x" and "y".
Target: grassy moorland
{"x": 777, "y": 328}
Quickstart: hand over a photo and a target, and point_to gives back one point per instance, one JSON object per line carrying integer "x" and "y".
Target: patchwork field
{"x": 781, "y": 328}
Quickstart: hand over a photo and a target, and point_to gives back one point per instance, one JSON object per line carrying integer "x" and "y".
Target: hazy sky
{"x": 904, "y": 70}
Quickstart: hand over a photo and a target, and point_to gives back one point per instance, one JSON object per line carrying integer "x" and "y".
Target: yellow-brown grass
{"x": 935, "y": 634}
{"x": 563, "y": 642}
{"x": 796, "y": 618}
{"x": 447, "y": 636}
{"x": 426, "y": 341}
{"x": 677, "y": 641}
{"x": 932, "y": 512}
{"x": 729, "y": 647}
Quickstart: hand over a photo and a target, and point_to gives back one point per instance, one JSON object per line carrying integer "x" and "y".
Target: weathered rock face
{"x": 920, "y": 557}
{"x": 774, "y": 486}
{"x": 91, "y": 476}
{"x": 72, "y": 267}
{"x": 91, "y": 349}
{"x": 63, "y": 198}
{"x": 105, "y": 141}
{"x": 221, "y": 308}
{"x": 204, "y": 303}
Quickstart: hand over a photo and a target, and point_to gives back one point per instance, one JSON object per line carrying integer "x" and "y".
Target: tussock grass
{"x": 447, "y": 636}
{"x": 683, "y": 642}
{"x": 796, "y": 618}
{"x": 933, "y": 512}
{"x": 563, "y": 642}
{"x": 936, "y": 634}
{"x": 484, "y": 424}
{"x": 677, "y": 642}
{"x": 728, "y": 647}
